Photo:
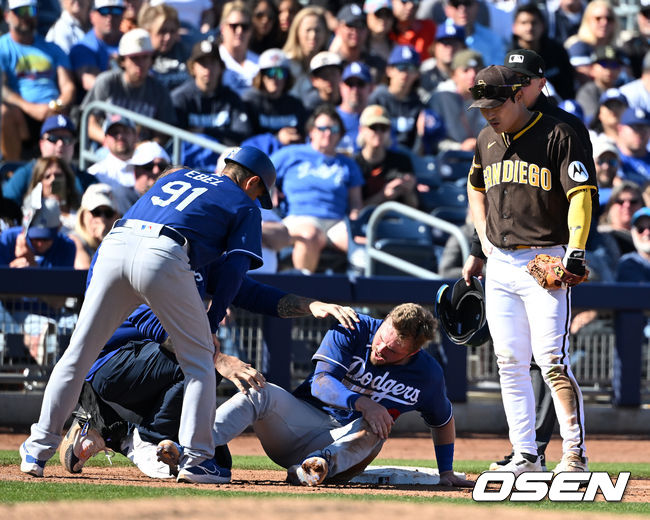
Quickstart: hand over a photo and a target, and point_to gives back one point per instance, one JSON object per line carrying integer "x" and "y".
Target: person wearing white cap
{"x": 131, "y": 86}
{"x": 241, "y": 63}
{"x": 26, "y": 103}
{"x": 95, "y": 218}
{"x": 71, "y": 26}
{"x": 276, "y": 111}
{"x": 97, "y": 51}
{"x": 326, "y": 68}
{"x": 149, "y": 161}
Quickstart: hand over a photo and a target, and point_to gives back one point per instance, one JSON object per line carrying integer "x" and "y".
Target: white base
{"x": 400, "y": 475}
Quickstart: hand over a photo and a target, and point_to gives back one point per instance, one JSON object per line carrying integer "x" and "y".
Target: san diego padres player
{"x": 529, "y": 193}
{"x": 185, "y": 221}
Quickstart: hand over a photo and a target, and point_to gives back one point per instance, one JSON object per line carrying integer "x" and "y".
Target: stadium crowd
{"x": 356, "y": 103}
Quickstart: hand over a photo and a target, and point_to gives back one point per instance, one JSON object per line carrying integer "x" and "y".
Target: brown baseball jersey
{"x": 528, "y": 178}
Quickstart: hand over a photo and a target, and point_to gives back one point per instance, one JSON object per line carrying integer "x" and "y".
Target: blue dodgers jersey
{"x": 211, "y": 211}
{"x": 418, "y": 385}
{"x": 315, "y": 184}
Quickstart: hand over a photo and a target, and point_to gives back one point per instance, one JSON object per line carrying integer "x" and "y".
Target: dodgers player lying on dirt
{"x": 143, "y": 383}
{"x": 336, "y": 422}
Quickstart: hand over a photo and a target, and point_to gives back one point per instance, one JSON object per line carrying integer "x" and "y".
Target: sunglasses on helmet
{"x": 482, "y": 91}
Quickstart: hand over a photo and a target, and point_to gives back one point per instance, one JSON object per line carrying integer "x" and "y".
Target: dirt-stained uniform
{"x": 528, "y": 178}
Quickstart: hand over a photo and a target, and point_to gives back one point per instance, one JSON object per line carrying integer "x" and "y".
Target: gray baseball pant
{"x": 291, "y": 430}
{"x": 131, "y": 270}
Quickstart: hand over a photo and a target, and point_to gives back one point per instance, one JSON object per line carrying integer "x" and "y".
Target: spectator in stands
{"x": 56, "y": 181}
{"x": 388, "y": 174}
{"x": 607, "y": 165}
{"x": 98, "y": 50}
{"x": 26, "y": 102}
{"x": 307, "y": 37}
{"x": 606, "y": 67}
{"x": 564, "y": 20}
{"x": 463, "y": 13}
{"x": 637, "y": 92}
{"x": 351, "y": 41}
{"x": 380, "y": 21}
{"x": 400, "y": 96}
{"x": 607, "y": 118}
{"x": 632, "y": 142}
{"x": 599, "y": 26}
{"x": 635, "y": 266}
{"x": 203, "y": 104}
{"x": 355, "y": 87}
{"x": 636, "y": 47}
{"x": 451, "y": 260}
{"x": 95, "y": 218}
{"x": 418, "y": 34}
{"x": 320, "y": 187}
{"x": 170, "y": 51}
{"x": 580, "y": 55}
{"x": 149, "y": 161}
{"x": 38, "y": 243}
{"x": 276, "y": 111}
{"x": 130, "y": 16}
{"x": 115, "y": 169}
{"x": 266, "y": 30}
{"x": 196, "y": 15}
{"x": 57, "y": 140}
{"x": 452, "y": 99}
{"x": 616, "y": 220}
{"x": 72, "y": 25}
{"x": 239, "y": 62}
{"x": 287, "y": 11}
{"x": 449, "y": 40}
{"x": 529, "y": 32}
{"x": 131, "y": 86}
{"x": 326, "y": 71}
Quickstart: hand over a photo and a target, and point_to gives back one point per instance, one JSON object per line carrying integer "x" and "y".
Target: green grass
{"x": 43, "y": 491}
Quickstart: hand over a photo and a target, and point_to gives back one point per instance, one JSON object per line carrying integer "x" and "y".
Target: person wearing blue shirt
{"x": 355, "y": 87}
{"x": 321, "y": 187}
{"x": 635, "y": 266}
{"x": 185, "y": 221}
{"x": 336, "y": 422}
{"x": 633, "y": 138}
{"x": 37, "y": 79}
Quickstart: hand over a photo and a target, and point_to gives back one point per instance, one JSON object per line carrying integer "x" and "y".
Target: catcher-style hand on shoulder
{"x": 550, "y": 272}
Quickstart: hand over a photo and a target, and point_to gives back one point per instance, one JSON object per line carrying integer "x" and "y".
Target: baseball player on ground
{"x": 530, "y": 192}
{"x": 139, "y": 380}
{"x": 336, "y": 422}
{"x": 185, "y": 221}
{"x": 531, "y": 70}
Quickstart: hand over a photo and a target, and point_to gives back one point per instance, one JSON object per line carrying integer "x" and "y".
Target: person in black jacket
{"x": 203, "y": 104}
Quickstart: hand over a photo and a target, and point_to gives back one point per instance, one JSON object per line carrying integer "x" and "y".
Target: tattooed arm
{"x": 293, "y": 306}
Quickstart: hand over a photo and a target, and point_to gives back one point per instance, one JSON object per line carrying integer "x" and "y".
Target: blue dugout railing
{"x": 628, "y": 302}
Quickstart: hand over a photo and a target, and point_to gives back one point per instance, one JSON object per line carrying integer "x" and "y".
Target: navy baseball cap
{"x": 115, "y": 119}
{"x": 352, "y": 16}
{"x": 58, "y": 122}
{"x": 404, "y": 54}
{"x": 580, "y": 54}
{"x": 258, "y": 163}
{"x": 612, "y": 94}
{"x": 635, "y": 116}
{"x": 449, "y": 31}
{"x": 46, "y": 221}
{"x": 358, "y": 70}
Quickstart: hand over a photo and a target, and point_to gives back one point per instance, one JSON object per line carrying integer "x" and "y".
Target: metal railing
{"x": 394, "y": 261}
{"x": 177, "y": 135}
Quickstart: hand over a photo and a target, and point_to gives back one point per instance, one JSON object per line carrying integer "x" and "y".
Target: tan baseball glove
{"x": 550, "y": 273}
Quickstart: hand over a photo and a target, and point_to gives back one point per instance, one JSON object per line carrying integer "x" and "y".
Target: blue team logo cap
{"x": 358, "y": 70}
{"x": 58, "y": 122}
{"x": 404, "y": 54}
{"x": 259, "y": 163}
{"x": 449, "y": 31}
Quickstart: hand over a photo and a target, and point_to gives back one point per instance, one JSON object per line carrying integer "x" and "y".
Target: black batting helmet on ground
{"x": 461, "y": 312}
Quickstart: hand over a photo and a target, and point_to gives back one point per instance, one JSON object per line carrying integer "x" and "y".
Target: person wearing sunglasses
{"x": 149, "y": 161}
{"x": 276, "y": 111}
{"x": 205, "y": 105}
{"x": 26, "y": 102}
{"x": 530, "y": 192}
{"x": 239, "y": 61}
{"x": 635, "y": 266}
{"x": 380, "y": 21}
{"x": 95, "y": 218}
{"x": 407, "y": 30}
{"x": 57, "y": 139}
{"x": 626, "y": 198}
{"x": 464, "y": 13}
{"x": 320, "y": 188}
{"x": 72, "y": 25}
{"x": 98, "y": 50}
{"x": 265, "y": 27}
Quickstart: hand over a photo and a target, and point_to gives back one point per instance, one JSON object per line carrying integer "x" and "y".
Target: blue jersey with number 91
{"x": 211, "y": 211}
